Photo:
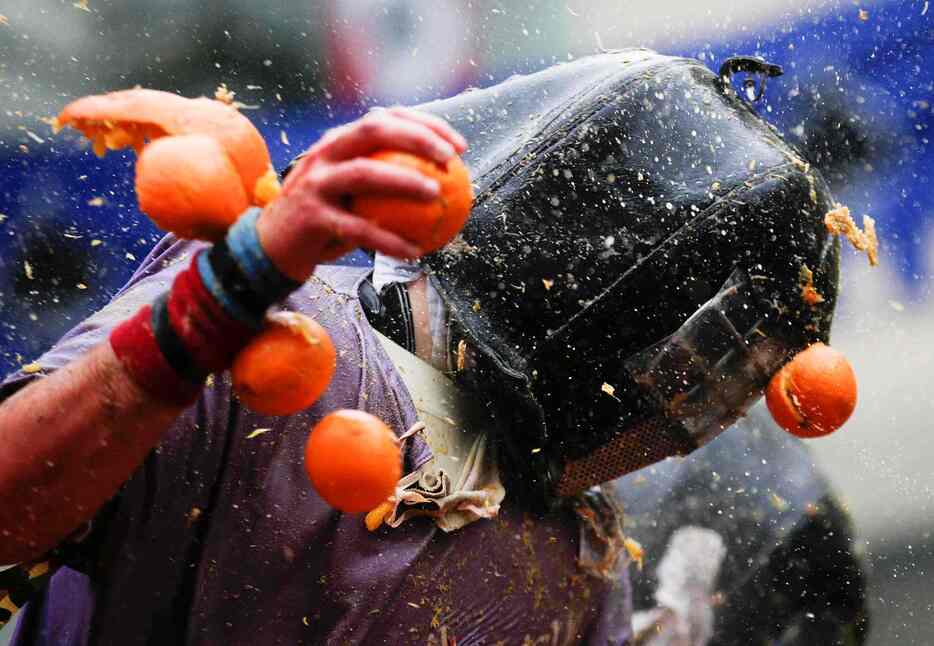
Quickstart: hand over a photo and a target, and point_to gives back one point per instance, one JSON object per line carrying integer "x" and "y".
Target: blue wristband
{"x": 264, "y": 277}
{"x": 241, "y": 276}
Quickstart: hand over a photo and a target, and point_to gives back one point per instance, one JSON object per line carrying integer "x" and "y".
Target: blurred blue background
{"x": 856, "y": 99}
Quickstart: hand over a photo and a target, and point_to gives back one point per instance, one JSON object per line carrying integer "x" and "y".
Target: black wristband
{"x": 171, "y": 346}
{"x": 240, "y": 274}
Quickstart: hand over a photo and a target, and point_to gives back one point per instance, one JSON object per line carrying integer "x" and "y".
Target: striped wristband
{"x": 135, "y": 342}
{"x": 213, "y": 309}
{"x": 241, "y": 276}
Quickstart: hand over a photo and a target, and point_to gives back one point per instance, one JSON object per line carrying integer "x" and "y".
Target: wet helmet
{"x": 632, "y": 272}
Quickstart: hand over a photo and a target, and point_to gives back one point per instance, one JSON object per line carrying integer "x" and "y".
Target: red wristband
{"x": 211, "y": 335}
{"x": 171, "y": 346}
{"x": 134, "y": 343}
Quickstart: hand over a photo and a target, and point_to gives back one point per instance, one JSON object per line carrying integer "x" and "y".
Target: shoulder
{"x": 365, "y": 377}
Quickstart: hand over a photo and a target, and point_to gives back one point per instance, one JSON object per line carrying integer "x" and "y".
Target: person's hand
{"x": 309, "y": 222}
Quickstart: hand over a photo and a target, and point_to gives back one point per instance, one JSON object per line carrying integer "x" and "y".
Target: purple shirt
{"x": 220, "y": 539}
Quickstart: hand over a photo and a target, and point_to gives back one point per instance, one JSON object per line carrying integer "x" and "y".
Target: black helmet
{"x": 633, "y": 270}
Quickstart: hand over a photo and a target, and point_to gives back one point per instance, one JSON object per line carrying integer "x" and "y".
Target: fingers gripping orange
{"x": 187, "y": 180}
{"x": 429, "y": 225}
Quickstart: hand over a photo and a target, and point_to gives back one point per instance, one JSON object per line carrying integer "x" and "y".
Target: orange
{"x": 188, "y": 185}
{"x": 285, "y": 368}
{"x": 429, "y": 225}
{"x": 353, "y": 460}
{"x": 814, "y": 394}
{"x": 130, "y": 117}
{"x": 137, "y": 118}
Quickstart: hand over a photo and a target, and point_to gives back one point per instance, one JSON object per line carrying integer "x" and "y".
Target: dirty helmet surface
{"x": 631, "y": 274}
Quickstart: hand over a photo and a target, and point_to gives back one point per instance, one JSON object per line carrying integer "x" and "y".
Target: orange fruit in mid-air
{"x": 187, "y": 185}
{"x": 353, "y": 460}
{"x": 814, "y": 394}
{"x": 134, "y": 118}
{"x": 429, "y": 225}
{"x": 286, "y": 367}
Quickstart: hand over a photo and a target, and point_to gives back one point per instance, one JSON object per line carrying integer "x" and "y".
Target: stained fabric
{"x": 218, "y": 538}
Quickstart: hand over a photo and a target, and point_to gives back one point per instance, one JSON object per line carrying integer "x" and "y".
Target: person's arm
{"x": 69, "y": 440}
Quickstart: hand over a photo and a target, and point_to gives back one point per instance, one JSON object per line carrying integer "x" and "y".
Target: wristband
{"x": 134, "y": 342}
{"x": 213, "y": 309}
{"x": 209, "y": 336}
{"x": 241, "y": 276}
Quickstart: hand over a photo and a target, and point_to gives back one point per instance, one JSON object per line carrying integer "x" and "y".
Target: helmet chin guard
{"x": 631, "y": 271}
{"x": 698, "y": 381}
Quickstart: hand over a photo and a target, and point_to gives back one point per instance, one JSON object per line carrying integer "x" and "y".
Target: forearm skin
{"x": 67, "y": 443}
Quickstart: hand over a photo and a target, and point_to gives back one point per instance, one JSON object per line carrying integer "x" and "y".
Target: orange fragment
{"x": 429, "y": 225}
{"x": 809, "y": 293}
{"x": 267, "y": 188}
{"x": 353, "y": 460}
{"x": 814, "y": 394}
{"x": 130, "y": 118}
{"x": 285, "y": 368}
{"x": 840, "y": 222}
{"x": 376, "y": 517}
{"x": 188, "y": 185}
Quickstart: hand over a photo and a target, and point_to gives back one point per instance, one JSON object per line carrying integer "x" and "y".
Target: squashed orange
{"x": 134, "y": 118}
